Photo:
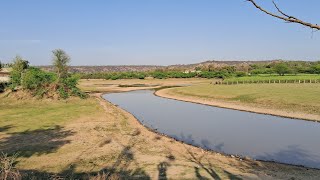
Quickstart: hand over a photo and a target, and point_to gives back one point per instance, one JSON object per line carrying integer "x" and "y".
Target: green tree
{"x": 18, "y": 67}
{"x": 60, "y": 63}
{"x": 66, "y": 85}
{"x": 316, "y": 69}
{"x": 37, "y": 81}
{"x": 281, "y": 69}
{"x": 0, "y": 66}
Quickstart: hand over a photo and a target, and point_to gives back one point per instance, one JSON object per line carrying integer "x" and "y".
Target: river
{"x": 262, "y": 137}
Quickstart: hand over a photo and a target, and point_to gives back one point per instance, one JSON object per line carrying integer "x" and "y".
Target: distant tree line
{"x": 158, "y": 74}
{"x": 290, "y": 67}
{"x": 211, "y": 71}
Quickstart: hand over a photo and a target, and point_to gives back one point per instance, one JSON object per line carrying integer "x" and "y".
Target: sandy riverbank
{"x": 167, "y": 93}
{"x": 188, "y": 159}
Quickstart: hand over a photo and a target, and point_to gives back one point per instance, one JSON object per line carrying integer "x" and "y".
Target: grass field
{"x": 275, "y": 78}
{"x": 101, "y": 85}
{"x": 287, "y": 97}
{"x": 30, "y": 115}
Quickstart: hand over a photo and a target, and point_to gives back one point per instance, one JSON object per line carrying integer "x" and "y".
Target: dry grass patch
{"x": 302, "y": 98}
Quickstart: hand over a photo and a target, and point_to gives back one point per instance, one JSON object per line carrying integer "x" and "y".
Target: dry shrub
{"x": 157, "y": 137}
{"x": 7, "y": 169}
{"x": 105, "y": 142}
{"x": 136, "y": 132}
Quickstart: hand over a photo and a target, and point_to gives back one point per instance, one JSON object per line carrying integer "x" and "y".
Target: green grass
{"x": 272, "y": 78}
{"x": 293, "y": 97}
{"x": 29, "y": 115}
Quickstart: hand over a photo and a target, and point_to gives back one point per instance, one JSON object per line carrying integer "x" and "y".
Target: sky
{"x": 155, "y": 32}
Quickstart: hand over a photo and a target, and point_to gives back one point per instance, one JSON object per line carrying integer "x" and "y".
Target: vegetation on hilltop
{"x": 214, "y": 70}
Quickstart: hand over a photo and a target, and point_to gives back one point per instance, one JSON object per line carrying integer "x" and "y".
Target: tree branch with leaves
{"x": 60, "y": 62}
{"x": 285, "y": 17}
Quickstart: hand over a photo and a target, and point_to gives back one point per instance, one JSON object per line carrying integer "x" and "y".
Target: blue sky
{"x": 116, "y": 32}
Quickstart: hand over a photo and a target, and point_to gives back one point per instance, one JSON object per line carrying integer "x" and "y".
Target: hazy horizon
{"x": 148, "y": 32}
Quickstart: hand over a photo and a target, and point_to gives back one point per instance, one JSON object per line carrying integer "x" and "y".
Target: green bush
{"x": 37, "y": 81}
{"x": 262, "y": 71}
{"x": 241, "y": 74}
{"x": 68, "y": 87}
{"x": 18, "y": 68}
{"x": 35, "y": 78}
{"x": 315, "y": 69}
{"x": 281, "y": 69}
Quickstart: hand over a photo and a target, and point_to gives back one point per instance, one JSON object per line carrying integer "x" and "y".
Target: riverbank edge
{"x": 234, "y": 106}
{"x": 138, "y": 124}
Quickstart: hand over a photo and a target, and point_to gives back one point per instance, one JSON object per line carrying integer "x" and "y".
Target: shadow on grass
{"x": 37, "y": 142}
{"x": 124, "y": 167}
{"x": 5, "y": 128}
{"x": 71, "y": 174}
{"x": 207, "y": 167}
{"x": 162, "y": 168}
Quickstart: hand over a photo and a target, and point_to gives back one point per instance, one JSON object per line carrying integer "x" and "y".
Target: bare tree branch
{"x": 285, "y": 17}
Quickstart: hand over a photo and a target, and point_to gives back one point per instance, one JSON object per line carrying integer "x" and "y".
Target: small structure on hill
{"x": 4, "y": 75}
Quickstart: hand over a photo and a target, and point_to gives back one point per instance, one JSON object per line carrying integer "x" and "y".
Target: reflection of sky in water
{"x": 234, "y": 132}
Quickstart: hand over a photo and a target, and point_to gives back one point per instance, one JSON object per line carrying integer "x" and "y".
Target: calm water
{"x": 258, "y": 136}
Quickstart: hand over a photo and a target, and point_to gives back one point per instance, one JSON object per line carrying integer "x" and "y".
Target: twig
{"x": 285, "y": 17}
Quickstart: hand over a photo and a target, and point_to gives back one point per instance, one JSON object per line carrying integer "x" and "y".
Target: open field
{"x": 289, "y": 100}
{"x": 264, "y": 78}
{"x": 79, "y": 138}
{"x": 100, "y": 85}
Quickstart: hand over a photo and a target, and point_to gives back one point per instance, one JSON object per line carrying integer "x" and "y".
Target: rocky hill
{"x": 120, "y": 68}
{"x": 126, "y": 68}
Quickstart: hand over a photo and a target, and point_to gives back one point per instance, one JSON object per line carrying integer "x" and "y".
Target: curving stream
{"x": 258, "y": 136}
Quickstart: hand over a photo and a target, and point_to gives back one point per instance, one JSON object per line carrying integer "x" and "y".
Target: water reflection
{"x": 233, "y": 132}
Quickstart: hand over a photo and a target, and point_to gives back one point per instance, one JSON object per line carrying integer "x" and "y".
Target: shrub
{"x": 240, "y": 74}
{"x": 68, "y": 87}
{"x": 7, "y": 169}
{"x": 35, "y": 78}
{"x": 18, "y": 67}
{"x": 316, "y": 69}
{"x": 159, "y": 75}
{"x": 281, "y": 69}
{"x": 37, "y": 81}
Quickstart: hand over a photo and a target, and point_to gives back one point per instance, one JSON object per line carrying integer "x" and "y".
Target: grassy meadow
{"x": 287, "y": 97}
{"x": 102, "y": 85}
{"x": 314, "y": 78}
{"x": 29, "y": 115}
